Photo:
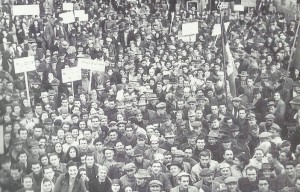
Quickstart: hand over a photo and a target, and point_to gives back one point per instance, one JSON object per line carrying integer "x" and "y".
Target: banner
{"x": 68, "y": 6}
{"x": 248, "y": 3}
{"x": 217, "y": 29}
{"x": 26, "y": 10}
{"x": 67, "y": 17}
{"x": 94, "y": 65}
{"x": 239, "y": 8}
{"x": 71, "y": 74}
{"x": 24, "y": 64}
{"x": 190, "y": 29}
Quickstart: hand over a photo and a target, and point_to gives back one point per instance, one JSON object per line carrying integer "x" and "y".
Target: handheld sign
{"x": 217, "y": 29}
{"x": 239, "y": 8}
{"x": 24, "y": 64}
{"x": 94, "y": 65}
{"x": 68, "y": 6}
{"x": 248, "y": 3}
{"x": 71, "y": 74}
{"x": 67, "y": 17}
{"x": 190, "y": 29}
{"x": 26, "y": 10}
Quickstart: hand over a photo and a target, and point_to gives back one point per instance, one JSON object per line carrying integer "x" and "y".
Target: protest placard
{"x": 190, "y": 29}
{"x": 71, "y": 74}
{"x": 84, "y": 17}
{"x": 26, "y": 10}
{"x": 24, "y": 64}
{"x": 217, "y": 29}
{"x": 239, "y": 8}
{"x": 67, "y": 17}
{"x": 68, "y": 6}
{"x": 79, "y": 13}
{"x": 248, "y": 3}
{"x": 94, "y": 65}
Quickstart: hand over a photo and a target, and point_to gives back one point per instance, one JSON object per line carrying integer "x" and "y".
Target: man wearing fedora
{"x": 141, "y": 177}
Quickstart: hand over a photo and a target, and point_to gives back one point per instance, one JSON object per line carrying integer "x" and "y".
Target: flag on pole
{"x": 230, "y": 65}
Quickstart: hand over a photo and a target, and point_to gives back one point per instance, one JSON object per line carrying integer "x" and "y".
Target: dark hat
{"x": 121, "y": 123}
{"x": 175, "y": 163}
{"x": 17, "y": 141}
{"x": 244, "y": 73}
{"x": 141, "y": 136}
{"x": 270, "y": 104}
{"x": 225, "y": 139}
{"x": 138, "y": 152}
{"x": 206, "y": 172}
{"x": 48, "y": 121}
{"x": 236, "y": 99}
{"x": 34, "y": 144}
{"x": 27, "y": 110}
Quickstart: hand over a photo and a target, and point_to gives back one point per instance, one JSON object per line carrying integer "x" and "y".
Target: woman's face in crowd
{"x": 72, "y": 153}
{"x": 45, "y": 160}
{"x": 73, "y": 171}
{"x": 58, "y": 148}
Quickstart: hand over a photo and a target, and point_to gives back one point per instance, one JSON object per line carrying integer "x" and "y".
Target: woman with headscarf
{"x": 102, "y": 183}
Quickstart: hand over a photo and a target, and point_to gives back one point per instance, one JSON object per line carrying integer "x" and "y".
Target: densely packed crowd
{"x": 160, "y": 117}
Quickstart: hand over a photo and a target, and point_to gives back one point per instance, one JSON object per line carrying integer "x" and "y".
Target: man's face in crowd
{"x": 251, "y": 174}
{"x": 49, "y": 173}
{"x": 54, "y": 160}
{"x": 184, "y": 182}
{"x": 228, "y": 156}
{"x": 36, "y": 168}
{"x": 263, "y": 186}
{"x": 90, "y": 160}
{"x": 83, "y": 144}
{"x": 290, "y": 170}
{"x": 204, "y": 161}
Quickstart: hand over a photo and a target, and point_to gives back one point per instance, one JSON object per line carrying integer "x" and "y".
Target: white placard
{"x": 26, "y": 10}
{"x": 239, "y": 8}
{"x": 248, "y": 3}
{"x": 84, "y": 17}
{"x": 217, "y": 29}
{"x": 24, "y": 64}
{"x": 190, "y": 28}
{"x": 79, "y": 13}
{"x": 68, "y": 6}
{"x": 71, "y": 74}
{"x": 94, "y": 65}
{"x": 67, "y": 17}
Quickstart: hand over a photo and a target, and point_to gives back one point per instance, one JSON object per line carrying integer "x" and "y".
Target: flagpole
{"x": 223, "y": 52}
{"x": 292, "y": 53}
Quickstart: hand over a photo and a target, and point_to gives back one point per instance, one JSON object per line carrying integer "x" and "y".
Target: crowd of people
{"x": 162, "y": 116}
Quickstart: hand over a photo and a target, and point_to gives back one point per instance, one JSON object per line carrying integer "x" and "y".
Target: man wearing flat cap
{"x": 184, "y": 180}
{"x": 155, "y": 186}
{"x": 207, "y": 182}
{"x": 269, "y": 121}
{"x": 232, "y": 184}
{"x": 129, "y": 179}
